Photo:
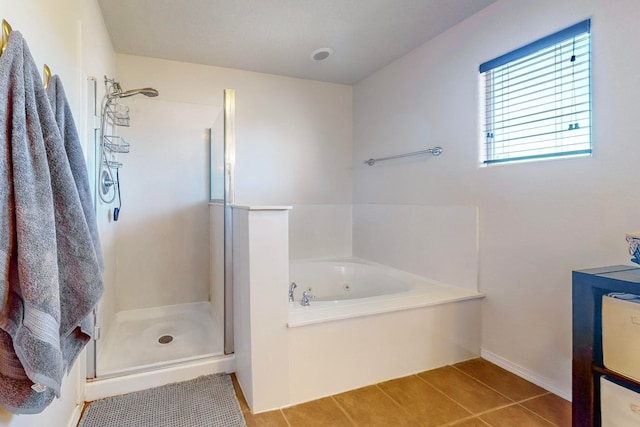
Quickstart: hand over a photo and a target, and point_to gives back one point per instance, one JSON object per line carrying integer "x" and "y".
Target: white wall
{"x": 70, "y": 37}
{"x": 538, "y": 221}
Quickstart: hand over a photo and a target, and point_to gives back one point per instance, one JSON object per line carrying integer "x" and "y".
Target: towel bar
{"x": 435, "y": 151}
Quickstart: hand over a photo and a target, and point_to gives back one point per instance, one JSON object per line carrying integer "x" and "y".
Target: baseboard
{"x": 524, "y": 373}
{"x": 75, "y": 416}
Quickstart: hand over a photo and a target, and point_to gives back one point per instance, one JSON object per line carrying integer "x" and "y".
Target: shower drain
{"x": 165, "y": 339}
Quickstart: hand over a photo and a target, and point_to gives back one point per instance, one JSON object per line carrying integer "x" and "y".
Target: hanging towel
{"x": 30, "y": 312}
{"x": 72, "y": 343}
{"x": 69, "y": 133}
{"x": 48, "y": 265}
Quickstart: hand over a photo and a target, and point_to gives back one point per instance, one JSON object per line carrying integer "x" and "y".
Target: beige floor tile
{"x": 370, "y": 407}
{"x": 265, "y": 419}
{"x": 551, "y": 407}
{"x": 501, "y": 380}
{"x": 318, "y": 413}
{"x": 512, "y": 416}
{"x": 473, "y": 422}
{"x": 429, "y": 406}
{"x": 464, "y": 390}
{"x": 432, "y": 398}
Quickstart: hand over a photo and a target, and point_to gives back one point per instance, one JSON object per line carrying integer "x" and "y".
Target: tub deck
{"x": 327, "y": 311}
{"x": 415, "y": 292}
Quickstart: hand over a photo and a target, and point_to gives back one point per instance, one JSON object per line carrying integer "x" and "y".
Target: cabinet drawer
{"x": 619, "y": 406}
{"x": 621, "y": 336}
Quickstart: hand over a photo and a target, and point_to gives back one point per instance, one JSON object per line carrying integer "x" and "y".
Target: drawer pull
{"x": 635, "y": 408}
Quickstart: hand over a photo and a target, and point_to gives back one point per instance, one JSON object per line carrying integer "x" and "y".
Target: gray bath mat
{"x": 207, "y": 401}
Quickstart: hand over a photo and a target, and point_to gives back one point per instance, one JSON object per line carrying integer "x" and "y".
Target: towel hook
{"x": 47, "y": 76}
{"x": 6, "y": 30}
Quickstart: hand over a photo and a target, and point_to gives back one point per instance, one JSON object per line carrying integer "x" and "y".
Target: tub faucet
{"x": 305, "y": 298}
{"x": 292, "y": 286}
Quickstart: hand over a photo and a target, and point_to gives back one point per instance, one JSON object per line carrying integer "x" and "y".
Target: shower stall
{"x": 164, "y": 185}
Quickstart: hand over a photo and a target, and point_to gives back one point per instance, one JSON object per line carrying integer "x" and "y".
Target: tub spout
{"x": 305, "y": 298}
{"x": 291, "y": 288}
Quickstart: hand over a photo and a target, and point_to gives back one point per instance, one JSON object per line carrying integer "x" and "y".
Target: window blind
{"x": 538, "y": 99}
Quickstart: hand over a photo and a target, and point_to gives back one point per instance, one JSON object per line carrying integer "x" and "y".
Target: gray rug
{"x": 207, "y": 401}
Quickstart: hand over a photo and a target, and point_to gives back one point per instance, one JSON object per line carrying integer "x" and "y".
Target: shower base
{"x": 157, "y": 337}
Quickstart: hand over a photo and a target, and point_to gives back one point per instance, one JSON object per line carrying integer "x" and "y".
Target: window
{"x": 538, "y": 99}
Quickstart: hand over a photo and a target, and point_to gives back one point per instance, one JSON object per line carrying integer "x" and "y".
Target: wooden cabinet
{"x": 589, "y": 286}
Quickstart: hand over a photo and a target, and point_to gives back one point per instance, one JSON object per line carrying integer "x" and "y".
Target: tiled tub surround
{"x": 390, "y": 336}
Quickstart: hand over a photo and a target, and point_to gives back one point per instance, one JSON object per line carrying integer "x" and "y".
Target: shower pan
{"x": 167, "y": 299}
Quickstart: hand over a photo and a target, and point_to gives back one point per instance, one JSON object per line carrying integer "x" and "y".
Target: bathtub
{"x": 351, "y": 287}
{"x": 370, "y": 323}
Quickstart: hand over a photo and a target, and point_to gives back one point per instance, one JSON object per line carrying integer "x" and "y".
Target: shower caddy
{"x": 114, "y": 115}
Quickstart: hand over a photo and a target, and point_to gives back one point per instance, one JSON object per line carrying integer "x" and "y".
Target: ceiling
{"x": 278, "y": 36}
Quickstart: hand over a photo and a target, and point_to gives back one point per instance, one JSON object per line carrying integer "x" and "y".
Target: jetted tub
{"x": 352, "y": 287}
{"x": 370, "y": 323}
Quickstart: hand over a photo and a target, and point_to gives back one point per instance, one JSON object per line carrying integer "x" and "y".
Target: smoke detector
{"x": 321, "y": 54}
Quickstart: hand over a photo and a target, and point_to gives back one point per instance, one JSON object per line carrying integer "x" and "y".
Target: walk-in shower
{"x": 164, "y": 303}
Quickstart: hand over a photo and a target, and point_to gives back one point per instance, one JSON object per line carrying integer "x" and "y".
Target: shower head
{"x": 147, "y": 91}
{"x": 114, "y": 90}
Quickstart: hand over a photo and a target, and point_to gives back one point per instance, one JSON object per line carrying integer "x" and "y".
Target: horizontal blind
{"x": 537, "y": 99}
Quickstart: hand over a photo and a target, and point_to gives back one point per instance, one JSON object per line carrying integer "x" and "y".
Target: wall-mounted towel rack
{"x": 435, "y": 151}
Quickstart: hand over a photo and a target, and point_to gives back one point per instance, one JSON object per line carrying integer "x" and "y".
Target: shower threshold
{"x": 158, "y": 337}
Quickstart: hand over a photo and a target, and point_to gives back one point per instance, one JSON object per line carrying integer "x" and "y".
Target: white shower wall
{"x": 162, "y": 254}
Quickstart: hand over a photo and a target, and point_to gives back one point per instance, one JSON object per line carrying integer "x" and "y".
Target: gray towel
{"x": 47, "y": 261}
{"x": 30, "y": 314}
{"x": 69, "y": 133}
{"x": 75, "y": 341}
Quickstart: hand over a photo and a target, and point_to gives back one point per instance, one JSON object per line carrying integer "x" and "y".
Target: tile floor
{"x": 474, "y": 393}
